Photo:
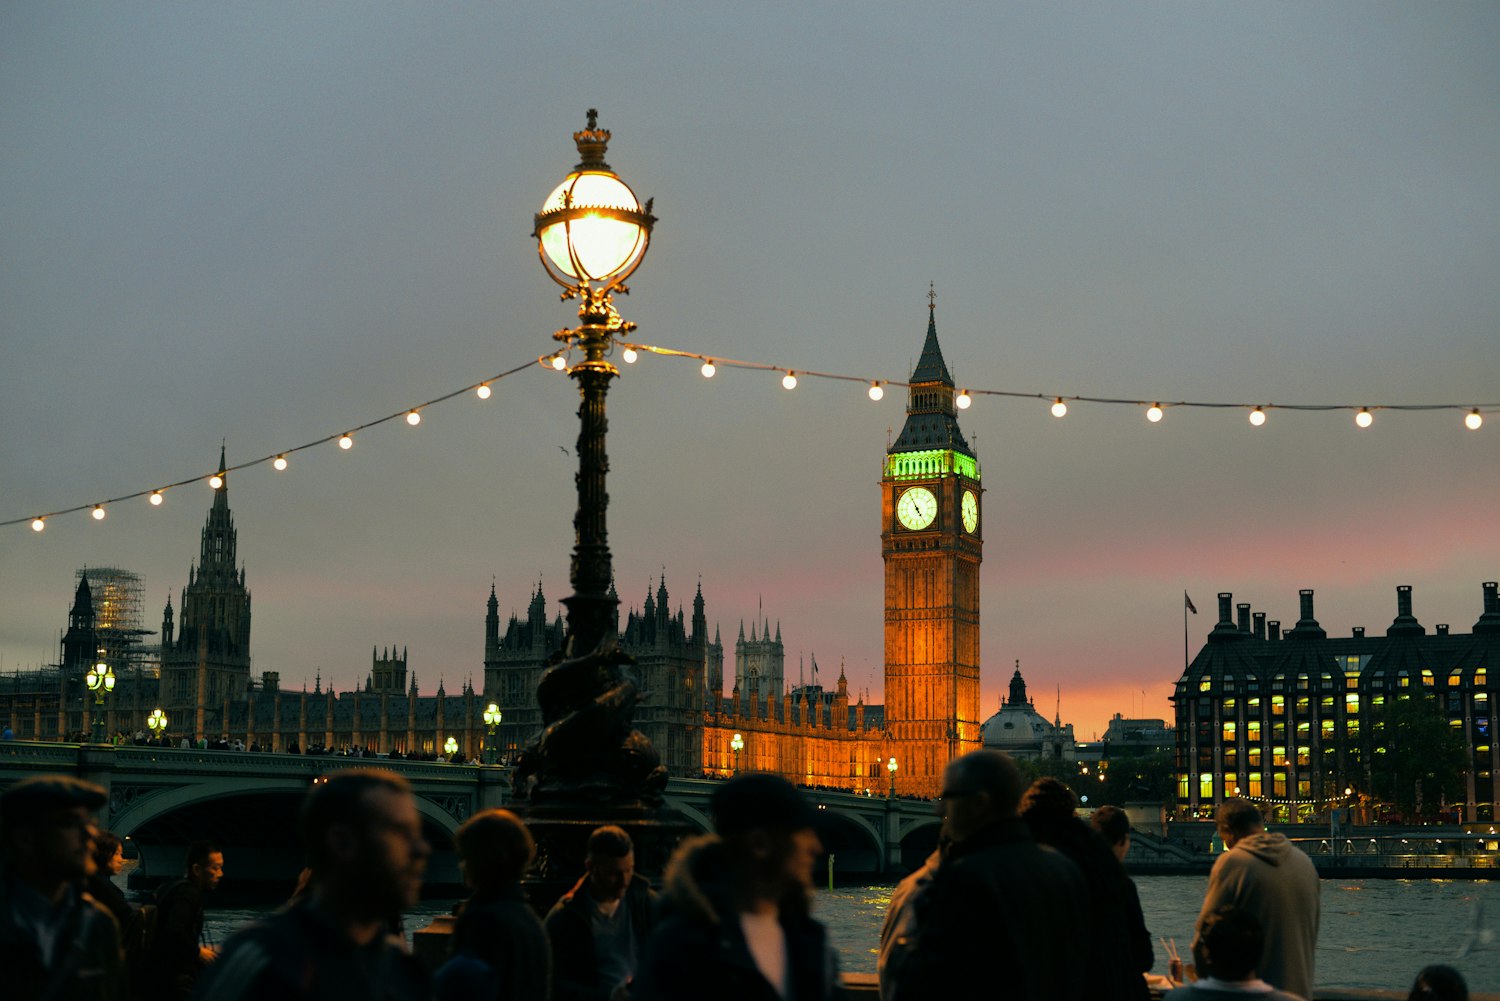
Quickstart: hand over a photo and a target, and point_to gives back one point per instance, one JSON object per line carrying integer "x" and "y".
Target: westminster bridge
{"x": 163, "y": 798}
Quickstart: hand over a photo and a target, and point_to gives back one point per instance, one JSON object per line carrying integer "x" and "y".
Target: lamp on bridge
{"x": 738, "y": 744}
{"x": 157, "y": 723}
{"x": 492, "y": 716}
{"x": 101, "y": 681}
{"x": 890, "y": 766}
{"x": 450, "y": 748}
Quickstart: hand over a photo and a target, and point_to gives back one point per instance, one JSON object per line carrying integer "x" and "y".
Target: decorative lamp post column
{"x": 738, "y": 745}
{"x": 492, "y": 716}
{"x": 157, "y": 724}
{"x": 890, "y": 766}
{"x": 450, "y": 748}
{"x": 591, "y": 235}
{"x": 101, "y": 681}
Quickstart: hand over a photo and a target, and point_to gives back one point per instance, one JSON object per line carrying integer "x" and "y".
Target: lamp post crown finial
{"x": 592, "y": 142}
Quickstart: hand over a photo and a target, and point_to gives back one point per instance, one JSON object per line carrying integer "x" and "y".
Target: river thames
{"x": 1375, "y": 933}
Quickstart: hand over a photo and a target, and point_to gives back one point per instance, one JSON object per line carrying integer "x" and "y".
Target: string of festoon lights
{"x": 630, "y": 352}
{"x": 1155, "y": 410}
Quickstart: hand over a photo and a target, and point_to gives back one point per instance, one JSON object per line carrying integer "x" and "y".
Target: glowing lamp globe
{"x": 1474, "y": 420}
{"x": 592, "y": 230}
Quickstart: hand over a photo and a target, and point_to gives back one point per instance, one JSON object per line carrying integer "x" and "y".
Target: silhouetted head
{"x": 1439, "y": 983}
{"x": 770, "y": 832}
{"x": 610, "y": 863}
{"x": 204, "y": 865}
{"x": 494, "y": 849}
{"x": 108, "y": 854}
{"x": 1238, "y": 818}
{"x": 363, "y": 837}
{"x": 1232, "y": 944}
{"x": 980, "y": 788}
{"x": 1113, "y": 825}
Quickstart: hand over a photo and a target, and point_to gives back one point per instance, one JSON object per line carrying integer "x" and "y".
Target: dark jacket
{"x": 571, "y": 931}
{"x": 1116, "y": 970}
{"x": 299, "y": 954}
{"x": 699, "y": 949}
{"x": 1004, "y": 918}
{"x": 104, "y": 890}
{"x": 499, "y": 927}
{"x": 174, "y": 961}
{"x": 86, "y": 962}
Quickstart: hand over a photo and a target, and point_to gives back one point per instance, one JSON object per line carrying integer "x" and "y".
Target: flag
{"x": 1189, "y": 602}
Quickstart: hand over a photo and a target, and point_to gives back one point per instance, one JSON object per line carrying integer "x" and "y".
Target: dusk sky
{"x": 271, "y": 222}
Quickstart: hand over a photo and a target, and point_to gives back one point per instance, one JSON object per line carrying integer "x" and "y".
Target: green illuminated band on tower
{"x": 933, "y": 462}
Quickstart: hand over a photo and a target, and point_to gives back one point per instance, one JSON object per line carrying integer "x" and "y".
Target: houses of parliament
{"x": 931, "y": 538}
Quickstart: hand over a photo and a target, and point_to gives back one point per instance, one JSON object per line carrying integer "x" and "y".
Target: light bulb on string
{"x": 964, "y": 400}
{"x": 1257, "y": 417}
{"x": 709, "y": 368}
{"x": 559, "y": 362}
{"x": 37, "y": 524}
{"x": 413, "y": 418}
{"x": 629, "y": 356}
{"x": 216, "y": 481}
{"x": 1059, "y": 408}
{"x": 482, "y": 391}
{"x": 1364, "y": 418}
{"x": 1474, "y": 420}
{"x": 1154, "y": 413}
{"x": 789, "y": 380}
{"x": 279, "y": 463}
{"x": 156, "y": 498}
{"x": 98, "y": 512}
{"x": 346, "y": 442}
{"x": 876, "y": 392}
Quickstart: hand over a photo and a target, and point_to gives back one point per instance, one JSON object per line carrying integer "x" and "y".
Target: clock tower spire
{"x": 932, "y": 545}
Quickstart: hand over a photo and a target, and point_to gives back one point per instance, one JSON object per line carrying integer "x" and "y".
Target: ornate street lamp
{"x": 591, "y": 235}
{"x": 101, "y": 680}
{"x": 738, "y": 744}
{"x": 890, "y": 766}
{"x": 157, "y": 723}
{"x": 450, "y": 748}
{"x": 492, "y": 716}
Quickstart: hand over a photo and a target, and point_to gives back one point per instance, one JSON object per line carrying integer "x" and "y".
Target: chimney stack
{"x": 1405, "y": 623}
{"x": 1359, "y": 632}
{"x": 1226, "y": 599}
{"x": 1442, "y": 629}
{"x": 1259, "y": 628}
{"x": 1307, "y": 626}
{"x": 1273, "y": 630}
{"x": 1489, "y": 622}
{"x": 1243, "y": 622}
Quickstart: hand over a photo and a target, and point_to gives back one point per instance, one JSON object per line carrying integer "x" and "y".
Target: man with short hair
{"x": 1002, "y": 911}
{"x": 179, "y": 951}
{"x": 1231, "y": 943}
{"x": 56, "y": 941}
{"x": 363, "y": 837}
{"x": 1275, "y": 882}
{"x": 600, "y": 927}
{"x": 735, "y": 924}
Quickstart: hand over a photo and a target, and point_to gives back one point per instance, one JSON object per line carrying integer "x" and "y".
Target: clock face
{"x": 970, "y": 512}
{"x": 917, "y": 508}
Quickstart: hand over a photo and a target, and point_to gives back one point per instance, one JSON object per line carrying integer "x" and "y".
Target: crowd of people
{"x": 1021, "y": 899}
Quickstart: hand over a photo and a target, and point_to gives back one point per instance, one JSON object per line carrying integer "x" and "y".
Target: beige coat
{"x": 1273, "y": 879}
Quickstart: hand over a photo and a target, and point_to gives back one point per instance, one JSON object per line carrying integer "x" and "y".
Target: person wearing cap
{"x": 1004, "y": 915}
{"x": 735, "y": 922}
{"x": 56, "y": 942}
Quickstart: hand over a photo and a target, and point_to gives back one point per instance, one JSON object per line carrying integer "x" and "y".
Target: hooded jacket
{"x": 699, "y": 949}
{"x": 1273, "y": 879}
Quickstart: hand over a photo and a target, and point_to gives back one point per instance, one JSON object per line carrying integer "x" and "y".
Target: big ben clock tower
{"x": 930, "y": 537}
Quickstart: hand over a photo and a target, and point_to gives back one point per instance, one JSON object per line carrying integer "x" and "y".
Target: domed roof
{"x": 1017, "y": 724}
